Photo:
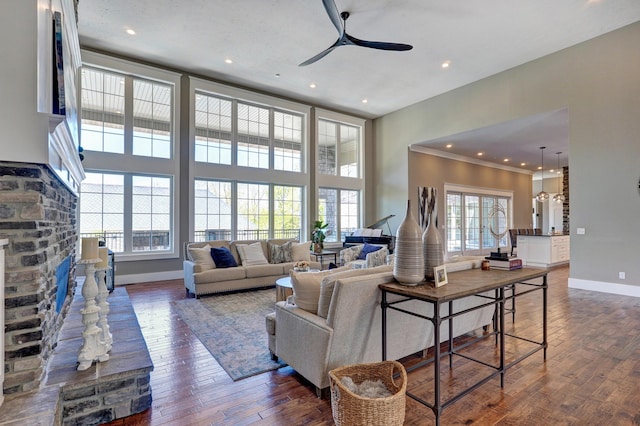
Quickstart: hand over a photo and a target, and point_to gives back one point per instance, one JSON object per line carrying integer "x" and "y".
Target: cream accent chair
{"x": 373, "y": 259}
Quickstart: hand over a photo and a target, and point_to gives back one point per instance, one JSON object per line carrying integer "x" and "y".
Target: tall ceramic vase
{"x": 432, "y": 245}
{"x": 408, "y": 267}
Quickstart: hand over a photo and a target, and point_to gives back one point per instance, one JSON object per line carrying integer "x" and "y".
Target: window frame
{"x": 129, "y": 164}
{"x": 337, "y": 182}
{"x": 481, "y": 193}
{"x": 232, "y": 172}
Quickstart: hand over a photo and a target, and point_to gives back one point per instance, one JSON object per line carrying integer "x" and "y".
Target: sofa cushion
{"x": 280, "y": 253}
{"x": 219, "y": 275}
{"x": 366, "y": 249}
{"x": 223, "y": 257}
{"x": 328, "y": 283}
{"x": 306, "y": 289}
{"x": 300, "y": 251}
{"x": 265, "y": 270}
{"x": 251, "y": 254}
{"x": 202, "y": 257}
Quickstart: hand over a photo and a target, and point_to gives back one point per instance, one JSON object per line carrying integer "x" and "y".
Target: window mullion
{"x": 128, "y": 216}
{"x": 128, "y": 115}
{"x": 234, "y": 132}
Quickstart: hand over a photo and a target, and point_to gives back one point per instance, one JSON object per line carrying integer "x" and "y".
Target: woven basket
{"x": 350, "y": 409}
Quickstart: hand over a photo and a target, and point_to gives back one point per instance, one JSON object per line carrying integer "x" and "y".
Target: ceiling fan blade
{"x": 318, "y": 56}
{"x": 334, "y": 15}
{"x": 382, "y": 45}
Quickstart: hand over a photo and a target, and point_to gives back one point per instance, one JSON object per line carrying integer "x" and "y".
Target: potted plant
{"x": 318, "y": 235}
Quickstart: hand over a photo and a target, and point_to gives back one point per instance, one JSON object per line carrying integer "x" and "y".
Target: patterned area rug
{"x": 232, "y": 328}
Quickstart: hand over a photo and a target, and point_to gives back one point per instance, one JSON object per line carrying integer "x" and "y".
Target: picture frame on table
{"x": 440, "y": 275}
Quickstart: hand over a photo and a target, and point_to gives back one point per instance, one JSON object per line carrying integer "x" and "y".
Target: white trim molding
{"x": 148, "y": 277}
{"x": 605, "y": 287}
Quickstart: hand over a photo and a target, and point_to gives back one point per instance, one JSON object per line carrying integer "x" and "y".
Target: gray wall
{"x": 429, "y": 170}
{"x": 599, "y": 82}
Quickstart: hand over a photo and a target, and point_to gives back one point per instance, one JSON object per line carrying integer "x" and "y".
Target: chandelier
{"x": 542, "y": 196}
{"x": 559, "y": 197}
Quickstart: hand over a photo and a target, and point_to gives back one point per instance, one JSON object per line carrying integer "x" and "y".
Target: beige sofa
{"x": 350, "y": 332}
{"x": 201, "y": 276}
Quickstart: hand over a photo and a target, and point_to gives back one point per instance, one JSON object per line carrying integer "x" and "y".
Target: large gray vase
{"x": 433, "y": 249}
{"x": 408, "y": 267}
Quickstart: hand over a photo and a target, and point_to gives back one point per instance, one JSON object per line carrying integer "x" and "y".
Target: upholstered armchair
{"x": 374, "y": 258}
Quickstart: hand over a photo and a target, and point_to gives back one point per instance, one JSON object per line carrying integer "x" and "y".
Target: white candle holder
{"x": 101, "y": 300}
{"x": 93, "y": 348}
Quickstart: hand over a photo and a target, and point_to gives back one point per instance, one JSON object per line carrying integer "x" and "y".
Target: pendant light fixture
{"x": 542, "y": 196}
{"x": 559, "y": 197}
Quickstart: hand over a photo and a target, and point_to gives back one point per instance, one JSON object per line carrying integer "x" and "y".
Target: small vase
{"x": 408, "y": 267}
{"x": 317, "y": 247}
{"x": 432, "y": 247}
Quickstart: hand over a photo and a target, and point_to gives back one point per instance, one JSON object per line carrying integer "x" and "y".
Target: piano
{"x": 379, "y": 239}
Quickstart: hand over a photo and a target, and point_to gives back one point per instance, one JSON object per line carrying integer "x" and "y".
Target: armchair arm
{"x": 188, "y": 270}
{"x": 377, "y": 258}
{"x": 303, "y": 341}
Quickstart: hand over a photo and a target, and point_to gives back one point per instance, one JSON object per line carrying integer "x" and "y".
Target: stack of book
{"x": 507, "y": 264}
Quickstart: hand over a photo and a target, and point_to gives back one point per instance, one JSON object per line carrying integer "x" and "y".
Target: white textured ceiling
{"x": 265, "y": 38}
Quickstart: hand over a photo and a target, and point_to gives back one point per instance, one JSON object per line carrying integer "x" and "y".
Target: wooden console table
{"x": 464, "y": 284}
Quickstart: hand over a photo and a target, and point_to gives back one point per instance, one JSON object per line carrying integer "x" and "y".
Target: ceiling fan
{"x": 339, "y": 20}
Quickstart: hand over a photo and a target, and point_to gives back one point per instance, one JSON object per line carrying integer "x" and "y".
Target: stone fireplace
{"x": 38, "y": 217}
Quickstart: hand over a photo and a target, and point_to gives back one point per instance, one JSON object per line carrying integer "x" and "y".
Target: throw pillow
{"x": 251, "y": 254}
{"x": 223, "y": 258}
{"x": 280, "y": 253}
{"x": 328, "y": 283}
{"x": 366, "y": 249}
{"x": 301, "y": 251}
{"x": 202, "y": 257}
{"x": 306, "y": 289}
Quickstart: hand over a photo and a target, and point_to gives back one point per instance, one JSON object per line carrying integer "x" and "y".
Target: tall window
{"x": 340, "y": 208}
{"x": 264, "y": 137}
{"x": 213, "y": 128}
{"x": 339, "y": 174}
{"x": 128, "y": 127}
{"x": 106, "y": 199}
{"x": 102, "y": 125}
{"x": 102, "y": 208}
{"x": 151, "y": 119}
{"x": 339, "y": 149}
{"x": 477, "y": 222}
{"x": 213, "y": 210}
{"x": 262, "y": 210}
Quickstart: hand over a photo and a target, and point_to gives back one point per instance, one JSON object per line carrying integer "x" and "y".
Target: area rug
{"x": 232, "y": 328}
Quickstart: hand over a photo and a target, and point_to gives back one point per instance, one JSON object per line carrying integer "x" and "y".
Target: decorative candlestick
{"x": 101, "y": 299}
{"x": 93, "y": 348}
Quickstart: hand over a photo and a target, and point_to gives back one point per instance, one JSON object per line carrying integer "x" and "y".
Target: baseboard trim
{"x": 605, "y": 287}
{"x": 143, "y": 278}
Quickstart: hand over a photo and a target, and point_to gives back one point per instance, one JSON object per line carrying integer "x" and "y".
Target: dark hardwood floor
{"x": 591, "y": 376}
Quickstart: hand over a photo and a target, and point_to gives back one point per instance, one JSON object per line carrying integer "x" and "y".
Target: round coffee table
{"x": 284, "y": 288}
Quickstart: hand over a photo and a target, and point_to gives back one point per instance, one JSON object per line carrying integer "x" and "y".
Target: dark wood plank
{"x": 591, "y": 374}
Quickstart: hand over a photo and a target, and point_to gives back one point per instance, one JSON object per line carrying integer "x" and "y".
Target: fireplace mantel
{"x": 31, "y": 127}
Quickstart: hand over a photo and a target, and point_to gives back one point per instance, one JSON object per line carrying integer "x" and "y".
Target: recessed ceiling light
{"x": 278, "y": 75}
{"x": 448, "y": 145}
{"x": 523, "y": 164}
{"x": 446, "y": 64}
{"x": 539, "y": 167}
{"x": 506, "y": 160}
{"x": 312, "y": 85}
{"x": 480, "y": 154}
{"x": 364, "y": 101}
{"x": 228, "y": 61}
{"x": 551, "y": 171}
{"x": 130, "y": 31}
